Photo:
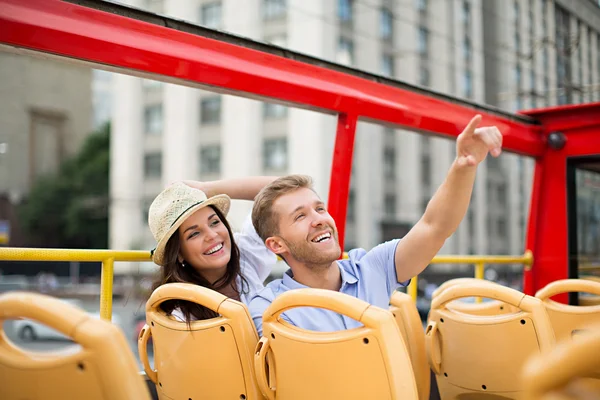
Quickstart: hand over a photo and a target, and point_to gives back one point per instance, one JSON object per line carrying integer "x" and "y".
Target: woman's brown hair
{"x": 174, "y": 272}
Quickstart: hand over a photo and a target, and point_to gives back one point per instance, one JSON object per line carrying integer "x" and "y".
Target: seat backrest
{"x": 566, "y": 319}
{"x": 209, "y": 359}
{"x": 102, "y": 368}
{"x": 370, "y": 362}
{"x": 473, "y": 356}
{"x": 491, "y": 307}
{"x": 571, "y": 371}
{"x": 409, "y": 323}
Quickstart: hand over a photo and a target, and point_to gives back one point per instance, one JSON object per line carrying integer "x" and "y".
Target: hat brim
{"x": 222, "y": 202}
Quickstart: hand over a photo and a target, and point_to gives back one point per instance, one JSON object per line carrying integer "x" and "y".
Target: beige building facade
{"x": 509, "y": 54}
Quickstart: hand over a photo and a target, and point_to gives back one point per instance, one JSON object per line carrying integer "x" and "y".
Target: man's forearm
{"x": 449, "y": 204}
{"x": 237, "y": 188}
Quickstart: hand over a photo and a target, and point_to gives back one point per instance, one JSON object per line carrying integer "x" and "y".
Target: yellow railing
{"x": 479, "y": 262}
{"x": 106, "y": 257}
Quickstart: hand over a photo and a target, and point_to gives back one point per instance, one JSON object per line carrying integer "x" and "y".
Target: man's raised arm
{"x": 449, "y": 204}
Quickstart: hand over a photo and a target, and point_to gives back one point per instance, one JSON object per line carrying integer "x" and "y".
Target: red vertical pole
{"x": 341, "y": 171}
{"x": 530, "y": 240}
{"x": 547, "y": 233}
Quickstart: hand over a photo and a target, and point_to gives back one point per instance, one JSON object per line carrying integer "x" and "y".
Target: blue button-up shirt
{"x": 369, "y": 276}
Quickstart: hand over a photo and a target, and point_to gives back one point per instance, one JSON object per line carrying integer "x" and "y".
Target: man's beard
{"x": 305, "y": 253}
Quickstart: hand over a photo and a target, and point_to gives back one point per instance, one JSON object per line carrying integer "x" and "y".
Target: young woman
{"x": 195, "y": 243}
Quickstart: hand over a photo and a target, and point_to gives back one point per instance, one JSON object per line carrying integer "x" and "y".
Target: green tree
{"x": 70, "y": 209}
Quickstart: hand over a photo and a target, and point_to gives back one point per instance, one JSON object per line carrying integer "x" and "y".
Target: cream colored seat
{"x": 475, "y": 356}
{"x": 370, "y": 362}
{"x": 569, "y": 372}
{"x": 102, "y": 368}
{"x": 210, "y": 359}
{"x": 493, "y": 307}
{"x": 407, "y": 318}
{"x": 567, "y": 319}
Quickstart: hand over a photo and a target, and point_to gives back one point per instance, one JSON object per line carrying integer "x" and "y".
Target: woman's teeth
{"x": 214, "y": 249}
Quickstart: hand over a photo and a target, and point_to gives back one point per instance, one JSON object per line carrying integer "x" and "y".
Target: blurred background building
{"x": 510, "y": 54}
{"x": 45, "y": 114}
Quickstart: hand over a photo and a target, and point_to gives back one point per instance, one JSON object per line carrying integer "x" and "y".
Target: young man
{"x": 294, "y": 223}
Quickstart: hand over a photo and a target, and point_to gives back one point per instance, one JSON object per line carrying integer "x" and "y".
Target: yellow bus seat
{"x": 209, "y": 359}
{"x": 370, "y": 362}
{"x": 567, "y": 319}
{"x": 478, "y": 356}
{"x": 102, "y": 368}
{"x": 569, "y": 372}
{"x": 493, "y": 307}
{"x": 590, "y": 300}
{"x": 407, "y": 318}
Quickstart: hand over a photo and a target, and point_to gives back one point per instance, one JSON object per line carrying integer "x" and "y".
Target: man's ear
{"x": 276, "y": 245}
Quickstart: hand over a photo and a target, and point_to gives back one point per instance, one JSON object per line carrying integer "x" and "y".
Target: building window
{"x": 598, "y": 65}
{"x": 467, "y": 50}
{"x": 345, "y": 10}
{"x": 421, "y": 5}
{"x": 424, "y": 76}
{"x": 210, "y": 110}
{"x": 46, "y": 143}
{"x": 275, "y": 154}
{"x": 516, "y": 12}
{"x": 389, "y": 163}
{"x": 533, "y": 92}
{"x": 563, "y": 53}
{"x": 272, "y": 110}
{"x": 386, "y": 24}
{"x": 466, "y": 13}
{"x": 390, "y": 205}
{"x": 590, "y": 67}
{"x": 426, "y": 169}
{"x": 517, "y": 43}
{"x": 150, "y": 84}
{"x": 423, "y": 41}
{"x": 210, "y": 160}
{"x": 351, "y": 210}
{"x": 345, "y": 53}
{"x": 211, "y": 15}
{"x": 153, "y": 165}
{"x": 468, "y": 84}
{"x": 273, "y": 9}
{"x": 501, "y": 228}
{"x": 387, "y": 65}
{"x": 153, "y": 119}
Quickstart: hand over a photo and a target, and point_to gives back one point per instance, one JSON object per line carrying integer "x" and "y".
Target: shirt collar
{"x": 291, "y": 283}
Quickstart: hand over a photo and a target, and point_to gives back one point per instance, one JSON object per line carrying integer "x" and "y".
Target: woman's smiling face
{"x": 205, "y": 243}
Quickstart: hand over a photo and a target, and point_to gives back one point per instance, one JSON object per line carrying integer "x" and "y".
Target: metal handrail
{"x": 479, "y": 261}
{"x": 106, "y": 257}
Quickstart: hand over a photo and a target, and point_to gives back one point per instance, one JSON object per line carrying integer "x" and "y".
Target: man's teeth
{"x": 321, "y": 237}
{"x": 214, "y": 249}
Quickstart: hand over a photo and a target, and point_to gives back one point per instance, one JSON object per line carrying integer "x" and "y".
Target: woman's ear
{"x": 276, "y": 245}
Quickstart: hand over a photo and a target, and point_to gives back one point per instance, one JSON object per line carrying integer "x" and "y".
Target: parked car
{"x": 29, "y": 330}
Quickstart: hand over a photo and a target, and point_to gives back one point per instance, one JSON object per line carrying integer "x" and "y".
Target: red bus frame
{"x": 118, "y": 38}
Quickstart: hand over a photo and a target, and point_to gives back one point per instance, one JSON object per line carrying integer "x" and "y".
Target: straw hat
{"x": 172, "y": 207}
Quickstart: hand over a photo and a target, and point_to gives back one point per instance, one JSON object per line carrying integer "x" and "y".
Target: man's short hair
{"x": 264, "y": 217}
